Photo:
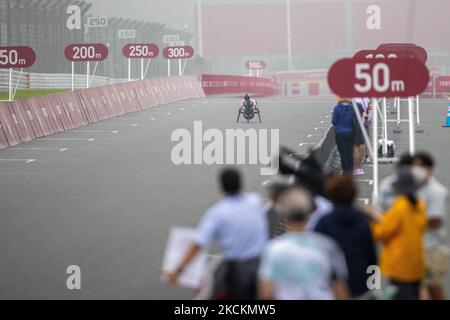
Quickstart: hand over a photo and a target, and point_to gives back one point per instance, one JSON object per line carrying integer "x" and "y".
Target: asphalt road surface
{"x": 105, "y": 196}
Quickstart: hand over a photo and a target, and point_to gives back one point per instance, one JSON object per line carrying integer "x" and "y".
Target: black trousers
{"x": 407, "y": 290}
{"x": 241, "y": 278}
{"x": 345, "y": 142}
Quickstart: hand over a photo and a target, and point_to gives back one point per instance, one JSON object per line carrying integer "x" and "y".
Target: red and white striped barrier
{"x": 37, "y": 117}
{"x": 227, "y": 84}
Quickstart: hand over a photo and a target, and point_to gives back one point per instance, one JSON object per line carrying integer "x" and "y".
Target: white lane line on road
{"x": 313, "y": 135}
{"x": 117, "y": 125}
{"x": 95, "y": 131}
{"x": 67, "y": 139}
{"x": 18, "y": 160}
{"x": 369, "y": 181}
{"x": 182, "y": 109}
{"x": 317, "y": 128}
{"x": 41, "y": 149}
{"x": 306, "y": 143}
{"x": 365, "y": 200}
{"x": 168, "y": 114}
{"x": 22, "y": 173}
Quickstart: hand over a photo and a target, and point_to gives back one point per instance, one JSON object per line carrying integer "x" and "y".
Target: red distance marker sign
{"x": 89, "y": 52}
{"x": 255, "y": 64}
{"x": 17, "y": 57}
{"x": 378, "y": 78}
{"x": 178, "y": 52}
{"x": 419, "y": 51}
{"x": 383, "y": 54}
{"x": 140, "y": 50}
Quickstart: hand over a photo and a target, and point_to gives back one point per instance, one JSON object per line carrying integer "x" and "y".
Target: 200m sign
{"x": 378, "y": 78}
{"x": 86, "y": 52}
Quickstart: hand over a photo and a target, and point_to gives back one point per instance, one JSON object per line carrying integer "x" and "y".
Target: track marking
{"x": 168, "y": 114}
{"x": 67, "y": 139}
{"x": 317, "y": 128}
{"x": 95, "y": 131}
{"x": 39, "y": 149}
{"x": 306, "y": 143}
{"x": 18, "y": 160}
{"x": 313, "y": 135}
{"x": 118, "y": 125}
{"x": 369, "y": 181}
{"x": 365, "y": 200}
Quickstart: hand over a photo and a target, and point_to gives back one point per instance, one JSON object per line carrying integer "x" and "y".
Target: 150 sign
{"x": 127, "y": 34}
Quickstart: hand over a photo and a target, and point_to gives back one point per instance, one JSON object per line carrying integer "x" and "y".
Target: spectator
{"x": 344, "y": 124}
{"x": 350, "y": 228}
{"x": 275, "y": 187}
{"x": 301, "y": 265}
{"x": 239, "y": 225}
{"x": 401, "y": 230}
{"x": 436, "y": 241}
{"x": 387, "y": 193}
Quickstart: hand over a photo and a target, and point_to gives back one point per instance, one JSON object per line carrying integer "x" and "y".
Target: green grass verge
{"x": 24, "y": 94}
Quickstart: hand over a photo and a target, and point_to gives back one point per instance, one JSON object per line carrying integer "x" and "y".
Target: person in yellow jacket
{"x": 401, "y": 230}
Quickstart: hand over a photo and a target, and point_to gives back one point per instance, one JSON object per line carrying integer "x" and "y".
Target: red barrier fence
{"x": 227, "y": 84}
{"x": 36, "y": 117}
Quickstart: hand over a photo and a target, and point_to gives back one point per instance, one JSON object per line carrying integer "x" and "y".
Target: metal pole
{"x": 418, "y": 110}
{"x": 200, "y": 28}
{"x": 146, "y": 68}
{"x": 399, "y": 103}
{"x": 184, "y": 66}
{"x": 412, "y": 142}
{"x": 168, "y": 67}
{"x": 375, "y": 150}
{"x": 385, "y": 131}
{"x": 10, "y": 83}
{"x": 363, "y": 129}
{"x": 142, "y": 69}
{"x": 129, "y": 70}
{"x": 73, "y": 76}
{"x": 179, "y": 67}
{"x": 289, "y": 43}
{"x": 88, "y": 71}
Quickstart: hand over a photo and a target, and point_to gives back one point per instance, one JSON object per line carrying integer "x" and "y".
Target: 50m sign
{"x": 17, "y": 57}
{"x": 378, "y": 78}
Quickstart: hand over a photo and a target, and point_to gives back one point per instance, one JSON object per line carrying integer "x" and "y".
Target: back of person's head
{"x": 230, "y": 181}
{"x": 296, "y": 204}
{"x": 423, "y": 159}
{"x": 408, "y": 183}
{"x": 341, "y": 190}
{"x": 405, "y": 160}
{"x": 276, "y": 186}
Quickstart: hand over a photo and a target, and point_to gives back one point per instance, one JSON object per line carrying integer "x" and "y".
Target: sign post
{"x": 378, "y": 78}
{"x": 140, "y": 51}
{"x": 178, "y": 52}
{"x": 255, "y": 65}
{"x": 16, "y": 57}
{"x": 89, "y": 52}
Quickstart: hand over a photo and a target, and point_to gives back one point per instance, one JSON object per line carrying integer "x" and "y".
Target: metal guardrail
{"x": 28, "y": 80}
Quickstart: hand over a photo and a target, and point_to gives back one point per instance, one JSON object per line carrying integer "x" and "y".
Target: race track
{"x": 104, "y": 196}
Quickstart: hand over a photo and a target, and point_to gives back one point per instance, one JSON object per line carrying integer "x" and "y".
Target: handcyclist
{"x": 248, "y": 102}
